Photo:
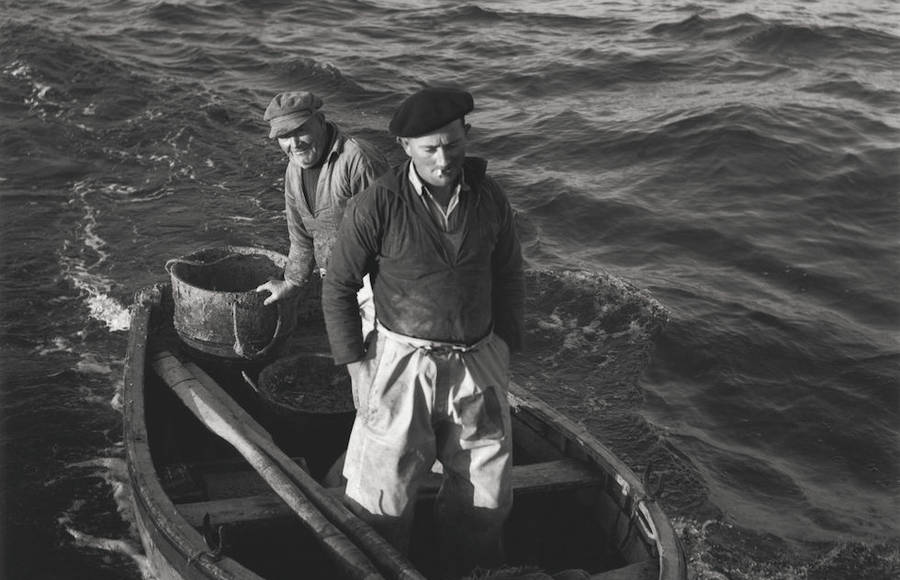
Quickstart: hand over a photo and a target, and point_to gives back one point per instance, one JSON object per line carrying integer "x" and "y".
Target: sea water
{"x": 736, "y": 159}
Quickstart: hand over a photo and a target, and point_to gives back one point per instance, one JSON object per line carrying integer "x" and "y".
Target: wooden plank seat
{"x": 536, "y": 477}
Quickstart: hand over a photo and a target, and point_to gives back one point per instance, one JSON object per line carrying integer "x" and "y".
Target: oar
{"x": 223, "y": 421}
{"x": 344, "y": 534}
{"x": 245, "y": 418}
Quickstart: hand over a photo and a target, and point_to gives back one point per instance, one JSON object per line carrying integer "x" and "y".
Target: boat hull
{"x": 203, "y": 513}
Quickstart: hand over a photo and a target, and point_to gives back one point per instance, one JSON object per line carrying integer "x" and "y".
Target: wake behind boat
{"x": 226, "y": 484}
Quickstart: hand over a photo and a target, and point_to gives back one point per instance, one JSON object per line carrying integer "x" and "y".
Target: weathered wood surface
{"x": 538, "y": 477}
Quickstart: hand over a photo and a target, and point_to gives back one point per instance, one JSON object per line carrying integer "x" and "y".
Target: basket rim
{"x": 267, "y": 395}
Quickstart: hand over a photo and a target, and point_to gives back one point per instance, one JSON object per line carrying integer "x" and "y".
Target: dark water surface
{"x": 739, "y": 160}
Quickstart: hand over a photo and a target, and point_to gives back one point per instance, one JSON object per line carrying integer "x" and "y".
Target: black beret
{"x": 429, "y": 109}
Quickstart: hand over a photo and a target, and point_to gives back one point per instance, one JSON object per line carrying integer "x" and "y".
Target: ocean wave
{"x": 582, "y": 321}
{"x": 717, "y": 544}
{"x": 318, "y": 75}
{"x": 773, "y": 269}
{"x": 836, "y": 43}
{"x": 785, "y": 38}
{"x": 113, "y": 472}
{"x": 533, "y": 15}
{"x": 37, "y": 49}
{"x": 703, "y": 141}
{"x": 132, "y": 130}
{"x": 183, "y": 14}
{"x": 699, "y": 27}
{"x": 80, "y": 263}
{"x": 424, "y": 11}
{"x": 589, "y": 70}
{"x": 846, "y": 87}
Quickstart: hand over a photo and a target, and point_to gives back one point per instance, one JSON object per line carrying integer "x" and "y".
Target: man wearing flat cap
{"x": 437, "y": 236}
{"x": 325, "y": 169}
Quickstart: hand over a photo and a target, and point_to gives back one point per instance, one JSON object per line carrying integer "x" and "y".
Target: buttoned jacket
{"x": 350, "y": 166}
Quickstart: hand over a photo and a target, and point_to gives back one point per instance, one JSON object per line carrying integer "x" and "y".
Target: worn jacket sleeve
{"x": 366, "y": 165}
{"x": 509, "y": 277}
{"x": 352, "y": 258}
{"x": 301, "y": 257}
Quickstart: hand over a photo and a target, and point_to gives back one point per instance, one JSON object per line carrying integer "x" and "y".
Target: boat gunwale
{"x": 151, "y": 499}
{"x": 639, "y": 505}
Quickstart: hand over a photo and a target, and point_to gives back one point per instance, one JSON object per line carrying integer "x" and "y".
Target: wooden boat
{"x": 204, "y": 510}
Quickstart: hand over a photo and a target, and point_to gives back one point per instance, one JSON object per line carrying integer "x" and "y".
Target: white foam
{"x": 108, "y": 311}
{"x": 114, "y": 472}
{"x": 92, "y": 285}
{"x": 39, "y": 90}
{"x": 57, "y": 344}
{"x": 127, "y": 547}
{"x": 116, "y": 401}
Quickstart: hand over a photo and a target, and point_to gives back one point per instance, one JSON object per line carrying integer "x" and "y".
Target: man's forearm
{"x": 342, "y": 321}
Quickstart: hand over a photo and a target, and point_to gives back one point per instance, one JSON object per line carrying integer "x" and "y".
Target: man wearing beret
{"x": 325, "y": 169}
{"x": 437, "y": 236}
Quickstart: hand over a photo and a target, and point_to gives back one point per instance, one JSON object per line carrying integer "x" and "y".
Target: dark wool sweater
{"x": 423, "y": 286}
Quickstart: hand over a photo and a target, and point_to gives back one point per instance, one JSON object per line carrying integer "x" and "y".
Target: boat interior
{"x": 569, "y": 512}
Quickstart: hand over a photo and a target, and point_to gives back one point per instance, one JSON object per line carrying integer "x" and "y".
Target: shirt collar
{"x": 337, "y": 141}
{"x": 421, "y": 188}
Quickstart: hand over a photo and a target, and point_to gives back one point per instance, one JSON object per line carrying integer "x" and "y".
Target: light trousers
{"x": 420, "y": 401}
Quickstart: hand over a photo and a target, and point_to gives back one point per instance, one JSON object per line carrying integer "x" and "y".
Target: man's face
{"x": 305, "y": 144}
{"x": 438, "y": 156}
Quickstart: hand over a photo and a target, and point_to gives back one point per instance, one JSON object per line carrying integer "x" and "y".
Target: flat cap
{"x": 289, "y": 110}
{"x": 429, "y": 109}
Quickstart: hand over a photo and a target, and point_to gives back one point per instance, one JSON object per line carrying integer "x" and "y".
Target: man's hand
{"x": 278, "y": 290}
